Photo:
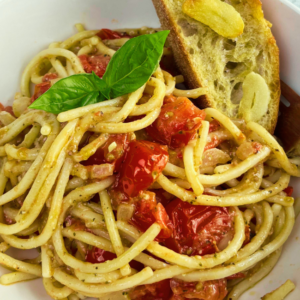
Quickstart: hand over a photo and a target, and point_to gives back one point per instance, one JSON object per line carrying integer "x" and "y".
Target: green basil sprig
{"x": 129, "y": 69}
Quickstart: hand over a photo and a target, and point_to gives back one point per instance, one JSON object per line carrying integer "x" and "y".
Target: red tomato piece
{"x": 214, "y": 125}
{"x": 289, "y": 191}
{"x": 247, "y": 235}
{"x": 176, "y": 157}
{"x": 197, "y": 229}
{"x": 97, "y": 63}
{"x": 49, "y": 76}
{"x": 103, "y": 156}
{"x": 143, "y": 163}
{"x": 170, "y": 99}
{"x": 177, "y": 123}
{"x": 256, "y": 147}
{"x": 40, "y": 89}
{"x": 215, "y": 142}
{"x": 43, "y": 87}
{"x": 7, "y": 109}
{"x": 155, "y": 291}
{"x": 107, "y": 34}
{"x": 163, "y": 196}
{"x": 96, "y": 255}
{"x": 147, "y": 211}
{"x": 76, "y": 224}
{"x": 207, "y": 290}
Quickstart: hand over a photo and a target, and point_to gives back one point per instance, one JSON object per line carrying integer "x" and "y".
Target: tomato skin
{"x": 177, "y": 123}
{"x": 8, "y": 109}
{"x": 43, "y": 87}
{"x": 49, "y": 76}
{"x": 40, "y": 89}
{"x": 107, "y": 34}
{"x": 97, "y": 63}
{"x": 103, "y": 156}
{"x": 143, "y": 163}
{"x": 147, "y": 212}
{"x": 210, "y": 290}
{"x": 289, "y": 191}
{"x": 156, "y": 291}
{"x": 96, "y": 255}
{"x": 247, "y": 235}
{"x": 215, "y": 142}
{"x": 197, "y": 229}
{"x": 163, "y": 196}
{"x": 170, "y": 99}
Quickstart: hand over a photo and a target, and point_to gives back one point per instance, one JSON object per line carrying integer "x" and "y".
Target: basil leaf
{"x": 68, "y": 93}
{"x": 101, "y": 86}
{"x": 129, "y": 68}
{"x": 134, "y": 63}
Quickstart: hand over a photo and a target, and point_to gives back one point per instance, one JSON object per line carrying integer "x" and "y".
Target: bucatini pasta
{"x": 143, "y": 196}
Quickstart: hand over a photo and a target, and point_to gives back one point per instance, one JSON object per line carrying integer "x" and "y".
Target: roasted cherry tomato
{"x": 96, "y": 63}
{"x": 43, "y": 87}
{"x": 115, "y": 156}
{"x": 40, "y": 89}
{"x": 289, "y": 191}
{"x": 170, "y": 99}
{"x": 163, "y": 196}
{"x": 156, "y": 291}
{"x": 197, "y": 229}
{"x": 147, "y": 211}
{"x": 96, "y": 255}
{"x": 177, "y": 123}
{"x": 107, "y": 34}
{"x": 143, "y": 163}
{"x": 207, "y": 290}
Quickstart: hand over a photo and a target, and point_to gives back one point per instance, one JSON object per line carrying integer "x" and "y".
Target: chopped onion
{"x": 102, "y": 171}
{"x": 213, "y": 157}
{"x": 125, "y": 212}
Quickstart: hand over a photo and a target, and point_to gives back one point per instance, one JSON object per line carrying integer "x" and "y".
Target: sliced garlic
{"x": 256, "y": 98}
{"x": 112, "y": 146}
{"x": 219, "y": 16}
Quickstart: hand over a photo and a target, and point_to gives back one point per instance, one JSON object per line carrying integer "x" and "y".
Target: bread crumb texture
{"x": 221, "y": 65}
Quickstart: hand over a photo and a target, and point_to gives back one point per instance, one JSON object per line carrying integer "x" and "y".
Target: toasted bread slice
{"x": 209, "y": 60}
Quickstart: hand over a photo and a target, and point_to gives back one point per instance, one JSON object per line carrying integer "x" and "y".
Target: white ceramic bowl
{"x": 26, "y": 27}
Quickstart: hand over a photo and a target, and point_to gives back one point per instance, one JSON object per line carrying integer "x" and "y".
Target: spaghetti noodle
{"x": 142, "y": 195}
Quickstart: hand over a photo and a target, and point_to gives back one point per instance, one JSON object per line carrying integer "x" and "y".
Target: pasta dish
{"x": 125, "y": 188}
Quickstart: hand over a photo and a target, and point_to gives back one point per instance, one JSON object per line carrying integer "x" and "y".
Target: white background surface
{"x": 27, "y": 27}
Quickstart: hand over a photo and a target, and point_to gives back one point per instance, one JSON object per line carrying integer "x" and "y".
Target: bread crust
{"x": 194, "y": 77}
{"x": 182, "y": 57}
